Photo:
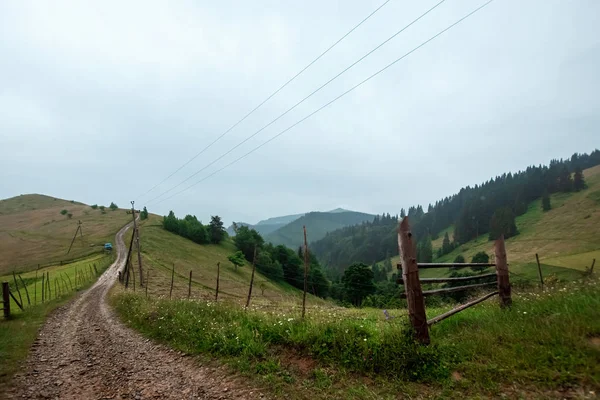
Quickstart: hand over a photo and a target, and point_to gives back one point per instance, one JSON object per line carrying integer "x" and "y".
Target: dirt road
{"x": 84, "y": 352}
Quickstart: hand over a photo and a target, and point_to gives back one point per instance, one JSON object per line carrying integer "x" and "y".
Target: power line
{"x": 301, "y": 101}
{"x": 268, "y": 98}
{"x": 330, "y": 102}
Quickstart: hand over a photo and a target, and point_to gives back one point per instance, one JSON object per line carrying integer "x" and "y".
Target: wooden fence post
{"x": 502, "y": 273}
{"x": 17, "y": 287}
{"x": 6, "y": 299}
{"x": 49, "y": 291}
{"x": 592, "y": 269}
{"x": 35, "y": 288}
{"x": 252, "y": 278}
{"x": 218, "y": 272}
{"x": 537, "y": 258}
{"x": 412, "y": 286}
{"x": 26, "y": 291}
{"x": 305, "y": 274}
{"x": 172, "y": 277}
{"x": 43, "y": 287}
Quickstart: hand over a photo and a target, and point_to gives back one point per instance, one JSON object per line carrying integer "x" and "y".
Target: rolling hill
{"x": 33, "y": 231}
{"x": 318, "y": 224}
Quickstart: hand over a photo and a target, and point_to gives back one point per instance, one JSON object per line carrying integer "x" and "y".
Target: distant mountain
{"x": 286, "y": 219}
{"x": 318, "y": 224}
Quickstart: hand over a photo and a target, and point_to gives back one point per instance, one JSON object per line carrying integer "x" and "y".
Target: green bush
{"x": 113, "y": 206}
{"x": 95, "y": 206}
{"x": 102, "y": 208}
{"x": 63, "y": 212}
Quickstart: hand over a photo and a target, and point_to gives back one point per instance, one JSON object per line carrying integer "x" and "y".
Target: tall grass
{"x": 542, "y": 341}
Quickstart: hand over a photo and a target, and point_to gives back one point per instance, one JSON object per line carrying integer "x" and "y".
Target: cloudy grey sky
{"x": 99, "y": 101}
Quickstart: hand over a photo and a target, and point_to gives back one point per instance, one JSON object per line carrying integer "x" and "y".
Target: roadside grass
{"x": 19, "y": 332}
{"x": 67, "y": 278}
{"x": 33, "y": 231}
{"x": 542, "y": 344}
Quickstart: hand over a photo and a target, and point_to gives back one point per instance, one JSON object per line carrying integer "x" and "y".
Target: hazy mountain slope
{"x": 318, "y": 224}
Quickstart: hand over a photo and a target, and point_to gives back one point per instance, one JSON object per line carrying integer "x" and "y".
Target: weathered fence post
{"x": 172, "y": 277}
{"x": 6, "y": 299}
{"x": 17, "y": 287}
{"x": 305, "y": 274}
{"x": 412, "y": 286}
{"x": 190, "y": 286}
{"x": 502, "y": 273}
{"x": 43, "y": 287}
{"x": 537, "y": 258}
{"x": 217, "y": 291}
{"x": 252, "y": 278}
{"x": 35, "y": 289}
{"x": 26, "y": 291}
{"x": 592, "y": 268}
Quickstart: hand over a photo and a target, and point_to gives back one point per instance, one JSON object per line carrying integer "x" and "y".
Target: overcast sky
{"x": 100, "y": 101}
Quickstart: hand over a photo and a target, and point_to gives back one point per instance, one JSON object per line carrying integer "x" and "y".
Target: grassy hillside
{"x": 33, "y": 230}
{"x": 567, "y": 238}
{"x": 161, "y": 250}
{"x": 318, "y": 224}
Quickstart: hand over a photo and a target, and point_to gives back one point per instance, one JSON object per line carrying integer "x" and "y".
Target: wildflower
{"x": 365, "y": 339}
{"x": 524, "y": 312}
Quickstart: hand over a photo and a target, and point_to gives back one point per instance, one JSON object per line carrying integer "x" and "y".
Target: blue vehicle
{"x": 108, "y": 246}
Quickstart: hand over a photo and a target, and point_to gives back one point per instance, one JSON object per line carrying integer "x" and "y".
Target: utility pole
{"x": 75, "y": 236}
{"x": 136, "y": 232}
{"x": 305, "y": 273}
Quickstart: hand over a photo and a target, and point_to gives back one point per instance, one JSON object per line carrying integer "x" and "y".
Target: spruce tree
{"x": 446, "y": 245}
{"x": 546, "y": 206}
{"x": 578, "y": 182}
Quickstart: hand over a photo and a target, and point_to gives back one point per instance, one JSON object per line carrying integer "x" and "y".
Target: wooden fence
{"x": 415, "y": 295}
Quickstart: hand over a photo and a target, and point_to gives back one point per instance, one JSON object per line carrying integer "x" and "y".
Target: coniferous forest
{"x": 489, "y": 208}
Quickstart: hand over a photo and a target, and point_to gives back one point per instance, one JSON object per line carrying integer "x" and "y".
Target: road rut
{"x": 84, "y": 352}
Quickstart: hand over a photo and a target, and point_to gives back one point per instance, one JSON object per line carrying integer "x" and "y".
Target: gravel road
{"x": 84, "y": 352}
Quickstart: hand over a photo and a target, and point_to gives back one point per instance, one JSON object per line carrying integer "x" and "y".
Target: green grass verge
{"x": 543, "y": 343}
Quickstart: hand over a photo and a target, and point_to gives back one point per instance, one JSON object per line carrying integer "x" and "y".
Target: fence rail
{"x": 400, "y": 281}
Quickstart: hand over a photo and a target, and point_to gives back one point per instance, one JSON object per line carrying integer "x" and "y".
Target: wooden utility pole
{"x": 128, "y": 262}
{"x": 502, "y": 273}
{"x": 217, "y": 291}
{"x": 190, "y": 286}
{"x": 252, "y": 278}
{"x": 136, "y": 232}
{"x": 537, "y": 258}
{"x": 172, "y": 277}
{"x": 75, "y": 236}
{"x": 305, "y": 273}
{"x": 412, "y": 286}
{"x": 6, "y": 299}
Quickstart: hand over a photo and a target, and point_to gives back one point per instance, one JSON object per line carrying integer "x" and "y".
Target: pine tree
{"x": 578, "y": 181}
{"x": 402, "y": 213}
{"x": 446, "y": 245}
{"x": 503, "y": 223}
{"x": 546, "y": 206}
{"x": 216, "y": 230}
{"x": 565, "y": 183}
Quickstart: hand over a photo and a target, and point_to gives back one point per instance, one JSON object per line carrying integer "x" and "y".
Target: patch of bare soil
{"x": 84, "y": 352}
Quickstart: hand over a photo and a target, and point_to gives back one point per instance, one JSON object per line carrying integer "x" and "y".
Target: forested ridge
{"x": 489, "y": 208}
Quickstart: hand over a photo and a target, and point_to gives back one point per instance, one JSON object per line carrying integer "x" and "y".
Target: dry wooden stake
{"x": 502, "y": 272}
{"x": 49, "y": 292}
{"x": 43, "y": 287}
{"x": 190, "y": 286}
{"x": 412, "y": 286}
{"x": 537, "y": 258}
{"x": 592, "y": 269}
{"x": 172, "y": 277}
{"x": 305, "y": 273}
{"x": 252, "y": 278}
{"x": 217, "y": 291}
{"x": 26, "y": 291}
{"x": 35, "y": 288}
{"x": 17, "y": 287}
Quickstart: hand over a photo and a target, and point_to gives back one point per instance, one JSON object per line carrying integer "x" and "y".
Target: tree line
{"x": 489, "y": 208}
{"x": 191, "y": 228}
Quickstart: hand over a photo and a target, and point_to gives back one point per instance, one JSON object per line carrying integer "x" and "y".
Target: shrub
{"x": 63, "y": 212}
{"x": 102, "y": 208}
{"x": 113, "y": 206}
{"x": 95, "y": 206}
{"x": 481, "y": 257}
{"x": 70, "y": 215}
